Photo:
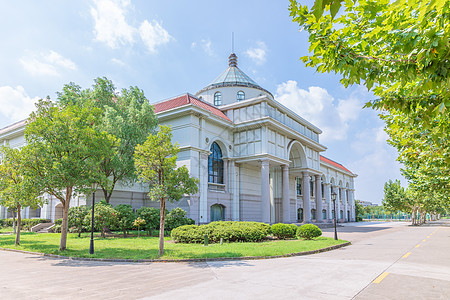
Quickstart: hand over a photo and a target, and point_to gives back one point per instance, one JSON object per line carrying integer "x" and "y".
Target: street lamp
{"x": 91, "y": 246}
{"x": 333, "y": 198}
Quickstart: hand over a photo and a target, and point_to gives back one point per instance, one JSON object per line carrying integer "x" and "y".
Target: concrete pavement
{"x": 378, "y": 249}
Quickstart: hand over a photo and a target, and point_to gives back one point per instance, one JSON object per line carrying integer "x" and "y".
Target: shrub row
{"x": 26, "y": 223}
{"x": 284, "y": 231}
{"x": 229, "y": 231}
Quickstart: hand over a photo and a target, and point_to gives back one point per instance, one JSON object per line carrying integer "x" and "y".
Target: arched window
{"x": 218, "y": 98}
{"x": 217, "y": 212}
{"x": 215, "y": 164}
{"x": 240, "y": 96}
{"x": 300, "y": 215}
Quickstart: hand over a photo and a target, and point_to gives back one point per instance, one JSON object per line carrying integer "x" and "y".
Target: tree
{"x": 155, "y": 162}
{"x": 17, "y": 189}
{"x": 76, "y": 217}
{"x": 359, "y": 210}
{"x": 126, "y": 115}
{"x": 66, "y": 151}
{"x": 399, "y": 50}
{"x": 125, "y": 217}
{"x": 395, "y": 196}
{"x": 151, "y": 216}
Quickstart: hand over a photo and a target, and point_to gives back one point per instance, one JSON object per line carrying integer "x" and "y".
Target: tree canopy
{"x": 17, "y": 188}
{"x": 156, "y": 164}
{"x": 399, "y": 50}
{"x": 66, "y": 151}
{"x": 127, "y": 115}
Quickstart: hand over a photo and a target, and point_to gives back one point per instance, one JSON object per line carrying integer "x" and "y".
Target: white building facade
{"x": 256, "y": 159}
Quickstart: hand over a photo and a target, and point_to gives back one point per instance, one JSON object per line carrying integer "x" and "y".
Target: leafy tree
{"x": 76, "y": 217}
{"x": 359, "y": 210}
{"x": 155, "y": 162}
{"x": 17, "y": 189}
{"x": 138, "y": 223}
{"x": 399, "y": 50}
{"x": 125, "y": 217}
{"x": 104, "y": 217}
{"x": 66, "y": 151}
{"x": 126, "y": 115}
{"x": 395, "y": 196}
{"x": 151, "y": 216}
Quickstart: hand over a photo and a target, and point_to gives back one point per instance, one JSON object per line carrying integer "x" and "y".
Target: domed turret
{"x": 231, "y": 86}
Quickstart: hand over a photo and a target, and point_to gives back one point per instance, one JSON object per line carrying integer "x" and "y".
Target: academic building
{"x": 256, "y": 159}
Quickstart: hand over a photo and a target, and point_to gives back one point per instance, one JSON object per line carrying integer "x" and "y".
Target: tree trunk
{"x": 14, "y": 222}
{"x": 161, "y": 226}
{"x": 65, "y": 223}
{"x": 19, "y": 223}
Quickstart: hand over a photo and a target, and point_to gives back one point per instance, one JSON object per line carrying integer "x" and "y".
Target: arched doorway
{"x": 217, "y": 212}
{"x": 58, "y": 211}
{"x": 300, "y": 215}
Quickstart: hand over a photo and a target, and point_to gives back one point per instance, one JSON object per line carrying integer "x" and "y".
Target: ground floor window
{"x": 217, "y": 212}
{"x": 313, "y": 214}
{"x": 300, "y": 215}
{"x": 324, "y": 214}
{"x": 341, "y": 214}
{"x": 332, "y": 214}
{"x": 348, "y": 215}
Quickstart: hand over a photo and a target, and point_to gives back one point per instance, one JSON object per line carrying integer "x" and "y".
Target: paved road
{"x": 386, "y": 261}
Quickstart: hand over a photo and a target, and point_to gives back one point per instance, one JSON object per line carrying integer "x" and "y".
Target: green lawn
{"x": 147, "y": 247}
{"x": 6, "y": 229}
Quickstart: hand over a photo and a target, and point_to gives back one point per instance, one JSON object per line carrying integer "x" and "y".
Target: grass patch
{"x": 6, "y": 229}
{"x": 145, "y": 247}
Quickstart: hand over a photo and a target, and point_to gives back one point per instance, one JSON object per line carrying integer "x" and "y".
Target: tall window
{"x": 218, "y": 98}
{"x": 311, "y": 185}
{"x": 323, "y": 190}
{"x": 217, "y": 212}
{"x": 240, "y": 96}
{"x": 313, "y": 214}
{"x": 215, "y": 164}
{"x": 299, "y": 185}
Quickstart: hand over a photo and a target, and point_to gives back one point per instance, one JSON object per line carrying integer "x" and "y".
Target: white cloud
{"x": 110, "y": 24}
{"x": 258, "y": 53}
{"x": 112, "y": 28}
{"x": 318, "y": 107}
{"x": 47, "y": 64}
{"x": 153, "y": 35}
{"x": 118, "y": 62}
{"x": 204, "y": 45}
{"x": 15, "y": 104}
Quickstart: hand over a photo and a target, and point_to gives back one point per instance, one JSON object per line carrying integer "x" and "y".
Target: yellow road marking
{"x": 424, "y": 240}
{"x": 381, "y": 277}
{"x": 417, "y": 246}
{"x": 428, "y": 237}
{"x": 406, "y": 255}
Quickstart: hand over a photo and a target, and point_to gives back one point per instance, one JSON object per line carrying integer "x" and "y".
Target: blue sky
{"x": 171, "y": 47}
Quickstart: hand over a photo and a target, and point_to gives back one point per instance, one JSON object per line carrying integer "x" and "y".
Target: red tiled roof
{"x": 187, "y": 99}
{"x": 333, "y": 163}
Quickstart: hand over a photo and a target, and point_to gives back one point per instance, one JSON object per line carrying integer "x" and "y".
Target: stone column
{"x": 203, "y": 188}
{"x": 328, "y": 201}
{"x": 306, "y": 198}
{"x": 235, "y": 190}
{"x": 351, "y": 200}
{"x": 265, "y": 191}
{"x": 338, "y": 204}
{"x": 319, "y": 207}
{"x": 225, "y": 175}
{"x": 286, "y": 205}
{"x": 344, "y": 199}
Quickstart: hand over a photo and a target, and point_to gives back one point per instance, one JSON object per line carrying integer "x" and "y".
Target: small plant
{"x": 309, "y": 231}
{"x": 284, "y": 231}
{"x": 138, "y": 223}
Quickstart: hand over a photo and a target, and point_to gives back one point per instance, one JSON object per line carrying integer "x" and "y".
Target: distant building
{"x": 367, "y": 203}
{"x": 256, "y": 159}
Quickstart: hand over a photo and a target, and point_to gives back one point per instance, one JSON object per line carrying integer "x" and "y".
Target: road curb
{"x": 180, "y": 260}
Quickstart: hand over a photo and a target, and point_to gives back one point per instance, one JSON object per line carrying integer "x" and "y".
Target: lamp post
{"x": 91, "y": 246}
{"x": 333, "y": 198}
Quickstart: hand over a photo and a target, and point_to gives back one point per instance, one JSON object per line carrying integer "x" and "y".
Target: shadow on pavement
{"x": 356, "y": 229}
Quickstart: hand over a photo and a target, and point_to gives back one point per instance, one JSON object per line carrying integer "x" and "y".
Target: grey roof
{"x": 233, "y": 76}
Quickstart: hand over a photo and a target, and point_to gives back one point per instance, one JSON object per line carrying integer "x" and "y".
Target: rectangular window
{"x": 299, "y": 185}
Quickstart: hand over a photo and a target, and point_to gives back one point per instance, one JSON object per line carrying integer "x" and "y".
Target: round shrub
{"x": 309, "y": 231}
{"x": 284, "y": 231}
{"x": 177, "y": 217}
{"x": 228, "y": 231}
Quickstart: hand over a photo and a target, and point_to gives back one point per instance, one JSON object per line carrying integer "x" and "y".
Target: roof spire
{"x": 232, "y": 60}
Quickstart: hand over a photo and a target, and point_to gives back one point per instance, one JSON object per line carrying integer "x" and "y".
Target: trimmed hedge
{"x": 309, "y": 231}
{"x": 229, "y": 231}
{"x": 284, "y": 231}
{"x": 26, "y": 223}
